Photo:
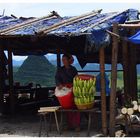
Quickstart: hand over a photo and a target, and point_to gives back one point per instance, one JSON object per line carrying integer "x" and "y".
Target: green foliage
{"x": 15, "y": 69}
{"x": 36, "y": 69}
{"x": 120, "y": 83}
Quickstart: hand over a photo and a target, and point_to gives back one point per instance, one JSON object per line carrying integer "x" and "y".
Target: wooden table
{"x": 89, "y": 111}
{"x": 43, "y": 115}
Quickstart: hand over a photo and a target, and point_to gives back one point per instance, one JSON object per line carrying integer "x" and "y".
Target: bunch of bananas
{"x": 83, "y": 100}
{"x": 84, "y": 90}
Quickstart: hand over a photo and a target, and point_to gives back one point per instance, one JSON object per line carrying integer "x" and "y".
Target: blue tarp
{"x": 97, "y": 38}
{"x": 98, "y": 84}
{"x": 135, "y": 38}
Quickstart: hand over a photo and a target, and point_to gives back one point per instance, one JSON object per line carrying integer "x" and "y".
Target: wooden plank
{"x": 68, "y": 22}
{"x": 47, "y": 110}
{"x": 113, "y": 82}
{"x": 10, "y": 72}
{"x": 52, "y": 107}
{"x": 103, "y": 92}
{"x": 79, "y": 110}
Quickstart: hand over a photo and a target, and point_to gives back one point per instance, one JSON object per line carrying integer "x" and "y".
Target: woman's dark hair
{"x": 68, "y": 56}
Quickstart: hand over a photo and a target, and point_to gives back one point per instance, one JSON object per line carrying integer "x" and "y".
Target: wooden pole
{"x": 103, "y": 92}
{"x": 1, "y": 79}
{"x": 133, "y": 69}
{"x": 126, "y": 76}
{"x": 113, "y": 82}
{"x": 58, "y": 59}
{"x": 10, "y": 72}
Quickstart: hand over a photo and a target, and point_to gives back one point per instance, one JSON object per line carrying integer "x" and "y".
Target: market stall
{"x": 84, "y": 36}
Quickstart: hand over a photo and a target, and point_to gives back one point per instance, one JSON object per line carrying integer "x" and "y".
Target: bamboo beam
{"x": 113, "y": 82}
{"x": 118, "y": 36}
{"x": 27, "y": 23}
{"x": 132, "y": 21}
{"x": 10, "y": 72}
{"x": 130, "y": 26}
{"x": 101, "y": 21}
{"x": 113, "y": 34}
{"x": 103, "y": 92}
{"x": 1, "y": 79}
{"x": 69, "y": 21}
{"x": 133, "y": 69}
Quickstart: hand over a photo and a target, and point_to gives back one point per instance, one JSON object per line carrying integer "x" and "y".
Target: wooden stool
{"x": 43, "y": 112}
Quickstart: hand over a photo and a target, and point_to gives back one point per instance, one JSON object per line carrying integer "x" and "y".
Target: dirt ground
{"x": 27, "y": 125}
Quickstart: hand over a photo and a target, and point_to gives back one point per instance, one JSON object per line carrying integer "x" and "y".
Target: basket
{"x": 85, "y": 106}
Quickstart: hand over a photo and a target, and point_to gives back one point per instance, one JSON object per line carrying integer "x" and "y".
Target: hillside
{"x": 39, "y": 70}
{"x": 36, "y": 69}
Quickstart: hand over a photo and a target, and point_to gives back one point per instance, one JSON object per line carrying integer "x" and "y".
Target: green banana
{"x": 94, "y": 89}
{"x": 78, "y": 101}
{"x": 85, "y": 84}
{"x": 74, "y": 82}
{"x": 90, "y": 81}
{"x": 79, "y": 91}
{"x": 75, "y": 100}
{"x": 91, "y": 90}
{"x": 84, "y": 90}
{"x": 93, "y": 82}
{"x": 76, "y": 90}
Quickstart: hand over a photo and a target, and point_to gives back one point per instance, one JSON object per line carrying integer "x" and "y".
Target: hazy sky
{"x": 41, "y": 9}
{"x": 64, "y": 9}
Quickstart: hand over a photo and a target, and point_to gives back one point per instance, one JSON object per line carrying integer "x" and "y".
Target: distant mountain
{"x": 36, "y": 69}
{"x": 52, "y": 59}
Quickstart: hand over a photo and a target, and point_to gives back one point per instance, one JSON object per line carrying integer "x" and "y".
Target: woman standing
{"x": 64, "y": 76}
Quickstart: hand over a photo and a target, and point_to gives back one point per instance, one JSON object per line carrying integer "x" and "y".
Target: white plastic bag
{"x": 62, "y": 92}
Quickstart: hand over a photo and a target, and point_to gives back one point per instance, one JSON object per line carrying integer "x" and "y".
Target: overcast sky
{"x": 64, "y": 9}
{"x": 41, "y": 9}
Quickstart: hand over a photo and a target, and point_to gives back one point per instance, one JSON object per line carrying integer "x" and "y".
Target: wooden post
{"x": 58, "y": 59}
{"x": 103, "y": 92}
{"x": 113, "y": 82}
{"x": 1, "y": 79}
{"x": 126, "y": 76}
{"x": 133, "y": 69}
{"x": 10, "y": 72}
